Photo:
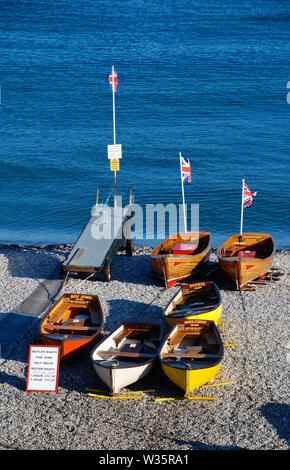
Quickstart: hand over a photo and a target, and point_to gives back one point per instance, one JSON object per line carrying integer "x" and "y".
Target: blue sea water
{"x": 205, "y": 78}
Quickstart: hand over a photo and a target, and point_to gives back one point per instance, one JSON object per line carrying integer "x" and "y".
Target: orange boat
{"x": 247, "y": 257}
{"x": 180, "y": 255}
{"x": 74, "y": 322}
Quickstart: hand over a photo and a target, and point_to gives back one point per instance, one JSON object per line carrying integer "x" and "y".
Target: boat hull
{"x": 214, "y": 315}
{"x": 189, "y": 380}
{"x": 246, "y": 269}
{"x": 174, "y": 267}
{"x": 117, "y": 378}
{"x": 57, "y": 327}
{"x": 70, "y": 348}
{"x": 180, "y": 268}
{"x": 127, "y": 354}
{"x": 191, "y": 354}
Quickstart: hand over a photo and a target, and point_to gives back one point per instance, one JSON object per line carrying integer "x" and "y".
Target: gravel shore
{"x": 253, "y": 413}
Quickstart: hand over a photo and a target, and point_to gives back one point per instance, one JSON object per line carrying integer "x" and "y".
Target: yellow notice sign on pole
{"x": 114, "y": 164}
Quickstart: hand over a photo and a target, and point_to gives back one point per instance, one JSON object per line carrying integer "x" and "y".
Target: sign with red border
{"x": 43, "y": 368}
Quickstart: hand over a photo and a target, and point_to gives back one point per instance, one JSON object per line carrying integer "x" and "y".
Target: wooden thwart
{"x": 129, "y": 331}
{"x": 124, "y": 354}
{"x": 190, "y": 355}
{"x": 72, "y": 327}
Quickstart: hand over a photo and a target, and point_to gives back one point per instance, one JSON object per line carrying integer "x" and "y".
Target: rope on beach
{"x": 79, "y": 284}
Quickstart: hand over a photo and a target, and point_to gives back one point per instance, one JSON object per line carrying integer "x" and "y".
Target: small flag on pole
{"x": 185, "y": 169}
{"x": 113, "y": 80}
{"x": 248, "y": 196}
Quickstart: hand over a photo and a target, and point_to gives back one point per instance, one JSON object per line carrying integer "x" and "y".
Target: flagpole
{"x": 242, "y": 207}
{"x": 113, "y": 99}
{"x": 114, "y": 128}
{"x": 183, "y": 199}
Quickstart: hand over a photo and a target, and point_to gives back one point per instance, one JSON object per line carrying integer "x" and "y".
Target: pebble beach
{"x": 250, "y": 412}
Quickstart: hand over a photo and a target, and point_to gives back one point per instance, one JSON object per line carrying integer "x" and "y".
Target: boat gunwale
{"x": 98, "y": 362}
{"x": 196, "y": 312}
{"x": 94, "y": 298}
{"x": 237, "y": 259}
{"x": 174, "y": 256}
{"x": 170, "y": 363}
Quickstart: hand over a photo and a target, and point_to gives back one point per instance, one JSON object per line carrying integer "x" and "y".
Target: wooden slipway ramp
{"x": 41, "y": 297}
{"x": 16, "y": 324}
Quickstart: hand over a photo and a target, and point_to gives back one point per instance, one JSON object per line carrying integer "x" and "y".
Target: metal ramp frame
{"x": 94, "y": 255}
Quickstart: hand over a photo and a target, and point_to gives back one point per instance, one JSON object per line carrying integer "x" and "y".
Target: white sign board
{"x": 43, "y": 368}
{"x": 114, "y": 151}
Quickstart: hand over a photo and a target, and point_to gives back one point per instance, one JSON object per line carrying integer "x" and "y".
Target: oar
{"x": 185, "y": 312}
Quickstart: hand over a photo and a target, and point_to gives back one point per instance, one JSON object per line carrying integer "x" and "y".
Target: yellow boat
{"x": 197, "y": 301}
{"x": 192, "y": 354}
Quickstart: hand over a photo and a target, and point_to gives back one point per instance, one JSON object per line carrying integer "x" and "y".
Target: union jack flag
{"x": 248, "y": 196}
{"x": 113, "y": 82}
{"x": 185, "y": 169}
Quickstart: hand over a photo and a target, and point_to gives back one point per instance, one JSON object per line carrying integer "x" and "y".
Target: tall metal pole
{"x": 114, "y": 128}
{"x": 183, "y": 198}
{"x": 242, "y": 207}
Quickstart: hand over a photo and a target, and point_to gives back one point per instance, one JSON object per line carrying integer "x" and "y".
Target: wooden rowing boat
{"x": 180, "y": 255}
{"x": 74, "y": 322}
{"x": 247, "y": 257}
{"x": 198, "y": 301}
{"x": 127, "y": 355}
{"x": 192, "y": 354}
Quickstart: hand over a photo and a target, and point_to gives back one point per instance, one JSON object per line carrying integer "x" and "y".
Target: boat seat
{"x": 65, "y": 336}
{"x": 58, "y": 315}
{"x": 72, "y": 327}
{"x": 190, "y": 311}
{"x": 118, "y": 353}
{"x": 195, "y": 304}
{"x": 176, "y": 339}
{"x": 190, "y": 355}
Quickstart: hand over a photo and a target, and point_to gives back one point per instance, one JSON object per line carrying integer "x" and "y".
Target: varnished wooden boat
{"x": 74, "y": 322}
{"x": 197, "y": 301}
{"x": 192, "y": 354}
{"x": 175, "y": 265}
{"x": 246, "y": 257}
{"x": 127, "y": 355}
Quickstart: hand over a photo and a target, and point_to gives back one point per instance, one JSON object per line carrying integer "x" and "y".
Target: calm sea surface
{"x": 205, "y": 78}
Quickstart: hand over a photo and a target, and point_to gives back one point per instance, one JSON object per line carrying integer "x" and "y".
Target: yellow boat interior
{"x": 195, "y": 298}
{"x": 193, "y": 345}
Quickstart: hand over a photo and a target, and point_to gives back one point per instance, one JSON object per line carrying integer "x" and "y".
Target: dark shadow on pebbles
{"x": 278, "y": 415}
{"x": 12, "y": 328}
{"x": 32, "y": 263}
{"x": 79, "y": 374}
{"x": 13, "y": 381}
{"x": 134, "y": 270}
{"x": 197, "y": 445}
{"x": 123, "y": 310}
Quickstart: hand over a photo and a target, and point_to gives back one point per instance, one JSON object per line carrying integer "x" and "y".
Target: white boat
{"x": 127, "y": 354}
